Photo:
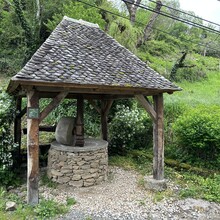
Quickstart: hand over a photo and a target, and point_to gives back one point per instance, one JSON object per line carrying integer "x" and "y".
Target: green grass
{"x": 44, "y": 210}
{"x": 205, "y": 92}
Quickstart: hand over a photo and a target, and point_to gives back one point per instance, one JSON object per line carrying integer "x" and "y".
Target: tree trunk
{"x": 132, "y": 6}
{"x": 177, "y": 65}
{"x": 149, "y": 27}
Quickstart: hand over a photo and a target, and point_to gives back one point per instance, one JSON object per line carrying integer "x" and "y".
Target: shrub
{"x": 48, "y": 208}
{"x": 198, "y": 134}
{"x": 131, "y": 128}
{"x": 7, "y": 145}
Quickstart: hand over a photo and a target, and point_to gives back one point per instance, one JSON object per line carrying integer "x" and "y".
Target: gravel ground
{"x": 121, "y": 198}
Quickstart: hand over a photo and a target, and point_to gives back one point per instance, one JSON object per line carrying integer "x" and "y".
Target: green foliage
{"x": 197, "y": 134}
{"x": 129, "y": 129}
{"x": 191, "y": 74}
{"x": 125, "y": 33}
{"x": 70, "y": 201}
{"x": 200, "y": 187}
{"x": 48, "y": 208}
{"x": 12, "y": 41}
{"x": 204, "y": 92}
{"x": 77, "y": 10}
{"x": 7, "y": 145}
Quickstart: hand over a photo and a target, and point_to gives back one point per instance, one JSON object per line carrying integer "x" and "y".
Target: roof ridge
{"x": 81, "y": 21}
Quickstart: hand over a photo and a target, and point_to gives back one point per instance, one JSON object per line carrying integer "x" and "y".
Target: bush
{"x": 172, "y": 110}
{"x": 7, "y": 112}
{"x": 198, "y": 134}
{"x": 131, "y": 128}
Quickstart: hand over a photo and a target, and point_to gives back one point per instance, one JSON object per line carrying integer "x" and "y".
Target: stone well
{"x": 78, "y": 166}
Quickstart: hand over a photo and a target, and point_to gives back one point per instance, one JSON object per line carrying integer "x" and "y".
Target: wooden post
{"x": 105, "y": 107}
{"x": 158, "y": 139}
{"x": 32, "y": 151}
{"x": 79, "y": 123}
{"x": 17, "y": 131}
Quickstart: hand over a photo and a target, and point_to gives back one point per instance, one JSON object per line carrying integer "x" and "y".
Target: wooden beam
{"x": 146, "y": 104}
{"x": 32, "y": 151}
{"x": 105, "y": 107}
{"x": 17, "y": 132}
{"x": 54, "y": 103}
{"x": 158, "y": 138}
{"x": 22, "y": 112}
{"x": 79, "y": 130}
{"x": 91, "y": 102}
{"x": 43, "y": 128}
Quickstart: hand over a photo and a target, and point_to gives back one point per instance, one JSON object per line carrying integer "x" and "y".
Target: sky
{"x": 207, "y": 9}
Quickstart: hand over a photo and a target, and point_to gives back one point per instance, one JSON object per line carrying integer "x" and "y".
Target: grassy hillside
{"x": 206, "y": 92}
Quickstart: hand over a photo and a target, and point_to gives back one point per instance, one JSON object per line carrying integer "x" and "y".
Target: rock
{"x": 76, "y": 177}
{"x": 62, "y": 158}
{"x": 64, "y": 130}
{"x": 154, "y": 185}
{"x": 76, "y": 183}
{"x": 88, "y": 182}
{"x": 65, "y": 171}
{"x": 94, "y": 175}
{"x": 10, "y": 206}
{"x": 56, "y": 173}
{"x": 80, "y": 163}
{"x": 63, "y": 179}
{"x": 85, "y": 167}
{"x": 93, "y": 170}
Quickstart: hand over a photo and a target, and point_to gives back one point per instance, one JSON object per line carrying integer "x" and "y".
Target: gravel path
{"x": 121, "y": 198}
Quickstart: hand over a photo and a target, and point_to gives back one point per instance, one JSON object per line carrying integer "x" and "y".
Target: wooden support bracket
{"x": 53, "y": 104}
{"x": 146, "y": 104}
{"x": 94, "y": 105}
{"x": 22, "y": 112}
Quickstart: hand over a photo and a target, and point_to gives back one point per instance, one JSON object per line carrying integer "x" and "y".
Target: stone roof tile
{"x": 81, "y": 53}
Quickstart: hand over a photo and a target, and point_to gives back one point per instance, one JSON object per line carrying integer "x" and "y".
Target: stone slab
{"x": 90, "y": 145}
{"x": 155, "y": 185}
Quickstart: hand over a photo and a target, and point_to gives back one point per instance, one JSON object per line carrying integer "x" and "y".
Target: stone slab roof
{"x": 80, "y": 53}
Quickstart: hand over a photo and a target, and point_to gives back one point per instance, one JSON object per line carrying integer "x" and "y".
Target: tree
{"x": 148, "y": 29}
{"x": 132, "y": 6}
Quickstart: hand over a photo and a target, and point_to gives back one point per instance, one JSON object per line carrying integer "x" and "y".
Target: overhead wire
{"x": 157, "y": 29}
{"x": 186, "y": 13}
{"x": 165, "y": 14}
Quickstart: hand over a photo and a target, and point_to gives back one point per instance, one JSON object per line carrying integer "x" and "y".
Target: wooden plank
{"x": 32, "y": 151}
{"x": 105, "y": 107}
{"x": 43, "y": 128}
{"x": 158, "y": 139}
{"x": 17, "y": 131}
{"x": 53, "y": 104}
{"x": 146, "y": 104}
{"x": 79, "y": 130}
{"x": 22, "y": 112}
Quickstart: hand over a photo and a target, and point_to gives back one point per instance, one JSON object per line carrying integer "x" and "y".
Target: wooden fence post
{"x": 32, "y": 150}
{"x": 158, "y": 139}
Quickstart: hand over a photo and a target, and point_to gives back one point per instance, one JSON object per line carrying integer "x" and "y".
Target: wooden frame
{"x": 156, "y": 113}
